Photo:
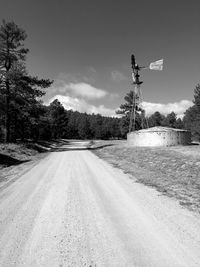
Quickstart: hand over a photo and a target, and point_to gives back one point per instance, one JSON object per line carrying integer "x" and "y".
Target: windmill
{"x": 137, "y": 94}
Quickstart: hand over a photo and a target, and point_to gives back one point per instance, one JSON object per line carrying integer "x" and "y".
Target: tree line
{"x": 24, "y": 116}
{"x": 70, "y": 124}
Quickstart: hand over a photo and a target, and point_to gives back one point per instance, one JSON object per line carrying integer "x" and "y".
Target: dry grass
{"x": 174, "y": 171}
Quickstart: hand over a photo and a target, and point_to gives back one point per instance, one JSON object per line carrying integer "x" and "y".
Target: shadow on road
{"x": 77, "y": 146}
{"x": 44, "y": 146}
{"x": 100, "y": 147}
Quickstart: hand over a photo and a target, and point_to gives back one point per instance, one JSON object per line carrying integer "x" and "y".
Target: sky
{"x": 85, "y": 46}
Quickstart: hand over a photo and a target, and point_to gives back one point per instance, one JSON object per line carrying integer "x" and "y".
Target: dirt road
{"x": 73, "y": 209}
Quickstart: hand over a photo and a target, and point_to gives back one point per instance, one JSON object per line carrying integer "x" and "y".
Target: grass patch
{"x": 173, "y": 171}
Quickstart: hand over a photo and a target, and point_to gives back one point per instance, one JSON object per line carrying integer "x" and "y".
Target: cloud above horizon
{"x": 177, "y": 107}
{"x": 81, "y": 105}
{"x": 77, "y": 85}
{"x": 85, "y": 90}
{"x": 81, "y": 89}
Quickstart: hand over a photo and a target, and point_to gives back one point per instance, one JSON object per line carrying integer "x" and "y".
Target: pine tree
{"x": 20, "y": 92}
{"x": 156, "y": 119}
{"x": 170, "y": 120}
{"x": 126, "y": 109}
{"x": 191, "y": 118}
{"x": 11, "y": 51}
{"x": 57, "y": 119}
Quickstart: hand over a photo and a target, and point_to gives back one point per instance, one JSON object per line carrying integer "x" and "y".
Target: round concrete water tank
{"x": 159, "y": 136}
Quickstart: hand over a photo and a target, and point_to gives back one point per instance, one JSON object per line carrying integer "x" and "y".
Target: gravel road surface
{"x": 73, "y": 209}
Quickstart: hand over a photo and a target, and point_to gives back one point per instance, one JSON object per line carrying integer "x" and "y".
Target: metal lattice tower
{"x": 137, "y": 94}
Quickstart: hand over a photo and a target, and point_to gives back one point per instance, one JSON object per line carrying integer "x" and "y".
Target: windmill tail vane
{"x": 157, "y": 65}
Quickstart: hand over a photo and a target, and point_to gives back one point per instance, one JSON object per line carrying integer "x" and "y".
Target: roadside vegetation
{"x": 173, "y": 171}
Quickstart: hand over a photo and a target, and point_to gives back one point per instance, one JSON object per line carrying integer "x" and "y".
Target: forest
{"x": 24, "y": 116}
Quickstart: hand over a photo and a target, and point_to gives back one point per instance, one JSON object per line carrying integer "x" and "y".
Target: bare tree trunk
{"x": 7, "y": 115}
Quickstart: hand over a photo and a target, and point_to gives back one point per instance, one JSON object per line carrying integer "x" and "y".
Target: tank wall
{"x": 169, "y": 138}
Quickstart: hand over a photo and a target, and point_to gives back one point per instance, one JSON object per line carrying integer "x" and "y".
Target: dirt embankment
{"x": 17, "y": 158}
{"x": 174, "y": 171}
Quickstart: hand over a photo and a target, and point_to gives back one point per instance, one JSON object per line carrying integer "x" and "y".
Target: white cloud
{"x": 82, "y": 106}
{"x": 178, "y": 107}
{"x": 86, "y": 90}
{"x": 74, "y": 89}
{"x": 117, "y": 76}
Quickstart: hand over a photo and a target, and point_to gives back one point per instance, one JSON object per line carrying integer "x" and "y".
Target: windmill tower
{"x": 137, "y": 93}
